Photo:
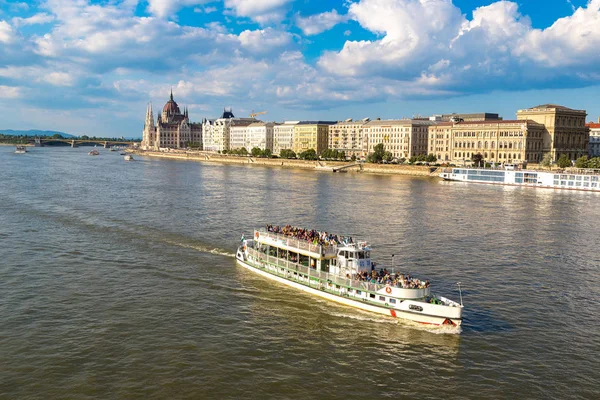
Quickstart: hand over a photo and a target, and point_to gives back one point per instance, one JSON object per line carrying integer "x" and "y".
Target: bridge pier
{"x": 73, "y": 144}
{"x": 106, "y": 145}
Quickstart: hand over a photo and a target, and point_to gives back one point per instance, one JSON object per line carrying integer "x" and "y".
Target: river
{"x": 118, "y": 280}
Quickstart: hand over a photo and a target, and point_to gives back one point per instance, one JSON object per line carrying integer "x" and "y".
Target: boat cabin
{"x": 352, "y": 259}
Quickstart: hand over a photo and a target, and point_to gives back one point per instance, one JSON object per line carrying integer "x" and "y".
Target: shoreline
{"x": 327, "y": 166}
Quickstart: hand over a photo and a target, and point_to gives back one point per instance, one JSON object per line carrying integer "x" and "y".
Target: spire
{"x": 171, "y": 94}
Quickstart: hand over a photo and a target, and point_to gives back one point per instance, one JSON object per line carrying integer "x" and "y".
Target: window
{"x": 358, "y": 292}
{"x": 393, "y": 301}
{"x": 381, "y": 298}
{"x": 371, "y": 295}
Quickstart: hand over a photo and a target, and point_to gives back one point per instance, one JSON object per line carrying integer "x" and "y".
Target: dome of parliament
{"x": 171, "y": 107}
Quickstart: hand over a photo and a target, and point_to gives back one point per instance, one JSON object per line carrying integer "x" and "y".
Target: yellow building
{"x": 565, "y": 131}
{"x": 311, "y": 135}
{"x": 498, "y": 141}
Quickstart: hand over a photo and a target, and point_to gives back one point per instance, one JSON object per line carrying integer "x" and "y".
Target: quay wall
{"x": 415, "y": 170}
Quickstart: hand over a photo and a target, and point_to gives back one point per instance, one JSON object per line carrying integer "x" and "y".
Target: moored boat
{"x": 588, "y": 180}
{"x": 341, "y": 270}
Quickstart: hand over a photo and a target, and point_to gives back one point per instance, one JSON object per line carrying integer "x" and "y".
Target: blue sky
{"x": 90, "y": 67}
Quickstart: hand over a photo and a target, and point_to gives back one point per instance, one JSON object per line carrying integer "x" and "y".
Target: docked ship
{"x": 511, "y": 175}
{"x": 343, "y": 272}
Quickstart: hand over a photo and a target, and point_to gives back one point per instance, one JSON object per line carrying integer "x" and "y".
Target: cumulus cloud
{"x": 41, "y": 18}
{"x": 166, "y": 8}
{"x": 318, "y": 23}
{"x": 261, "y": 11}
{"x": 6, "y": 32}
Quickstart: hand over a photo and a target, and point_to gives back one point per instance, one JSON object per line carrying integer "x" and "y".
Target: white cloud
{"x": 6, "y": 32}
{"x": 59, "y": 79}
{"x": 41, "y": 18}
{"x": 205, "y": 10}
{"x": 166, "y": 8}
{"x": 318, "y": 23}
{"x": 9, "y": 92}
{"x": 264, "y": 39}
{"x": 261, "y": 11}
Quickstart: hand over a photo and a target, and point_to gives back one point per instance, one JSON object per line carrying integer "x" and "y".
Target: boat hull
{"x": 389, "y": 312}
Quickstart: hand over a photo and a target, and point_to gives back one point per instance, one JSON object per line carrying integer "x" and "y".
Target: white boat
{"x": 128, "y": 157}
{"x": 588, "y": 180}
{"x": 21, "y": 150}
{"x": 344, "y": 273}
{"x": 94, "y": 152}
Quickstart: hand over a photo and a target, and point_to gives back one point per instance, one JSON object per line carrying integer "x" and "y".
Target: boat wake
{"x": 202, "y": 249}
{"x": 438, "y": 330}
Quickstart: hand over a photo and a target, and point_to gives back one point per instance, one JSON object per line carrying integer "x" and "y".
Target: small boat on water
{"x": 94, "y": 152}
{"x": 341, "y": 270}
{"x": 128, "y": 157}
{"x": 21, "y": 150}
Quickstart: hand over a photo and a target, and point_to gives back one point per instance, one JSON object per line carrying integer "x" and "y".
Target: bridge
{"x": 77, "y": 142}
{"x": 345, "y": 167}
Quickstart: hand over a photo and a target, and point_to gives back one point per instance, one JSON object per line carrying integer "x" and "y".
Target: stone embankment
{"x": 387, "y": 169}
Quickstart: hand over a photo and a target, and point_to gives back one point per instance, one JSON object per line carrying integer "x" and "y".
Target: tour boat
{"x": 337, "y": 272}
{"x": 128, "y": 157}
{"x": 588, "y": 180}
{"x": 21, "y": 150}
{"x": 94, "y": 152}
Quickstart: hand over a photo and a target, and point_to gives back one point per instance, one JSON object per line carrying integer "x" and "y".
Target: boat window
{"x": 393, "y": 301}
{"x": 579, "y": 177}
{"x": 415, "y": 307}
{"x": 358, "y": 292}
{"x": 371, "y": 295}
{"x": 382, "y": 298}
{"x": 361, "y": 255}
{"x": 367, "y": 254}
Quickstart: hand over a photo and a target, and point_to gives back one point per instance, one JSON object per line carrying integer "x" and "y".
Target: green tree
{"x": 353, "y": 158}
{"x": 387, "y": 156}
{"x": 243, "y": 151}
{"x": 57, "y": 136}
{"x": 377, "y": 155}
{"x": 266, "y": 153}
{"x": 256, "y": 152}
{"x": 563, "y": 161}
{"x": 547, "y": 160}
{"x": 477, "y": 159}
{"x": 594, "y": 163}
{"x": 309, "y": 154}
{"x": 582, "y": 162}
{"x": 287, "y": 153}
{"x": 431, "y": 158}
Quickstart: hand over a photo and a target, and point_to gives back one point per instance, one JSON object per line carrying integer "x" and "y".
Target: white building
{"x": 218, "y": 135}
{"x": 283, "y": 136}
{"x": 260, "y": 134}
{"x": 594, "y": 146}
{"x": 403, "y": 138}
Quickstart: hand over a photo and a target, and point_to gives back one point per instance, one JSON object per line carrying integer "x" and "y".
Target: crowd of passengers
{"x": 385, "y": 278}
{"x": 310, "y": 235}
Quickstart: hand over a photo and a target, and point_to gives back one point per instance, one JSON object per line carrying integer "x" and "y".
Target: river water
{"x": 118, "y": 280}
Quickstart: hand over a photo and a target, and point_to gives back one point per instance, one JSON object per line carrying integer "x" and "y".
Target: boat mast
{"x": 460, "y": 293}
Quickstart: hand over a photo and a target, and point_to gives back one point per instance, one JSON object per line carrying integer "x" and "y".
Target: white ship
{"x": 510, "y": 175}
{"x": 21, "y": 150}
{"x": 344, "y": 273}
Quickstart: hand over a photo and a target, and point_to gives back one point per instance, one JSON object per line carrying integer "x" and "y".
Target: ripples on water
{"x": 118, "y": 280}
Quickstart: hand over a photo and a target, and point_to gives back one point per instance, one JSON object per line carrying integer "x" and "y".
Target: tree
{"x": 266, "y": 153}
{"x": 353, "y": 158}
{"x": 563, "y": 161}
{"x": 477, "y": 159}
{"x": 582, "y": 162}
{"x": 256, "y": 152}
{"x": 547, "y": 160}
{"x": 387, "y": 156}
{"x": 377, "y": 155}
{"x": 287, "y": 153}
{"x": 594, "y": 163}
{"x": 242, "y": 151}
{"x": 431, "y": 158}
{"x": 57, "y": 136}
{"x": 309, "y": 154}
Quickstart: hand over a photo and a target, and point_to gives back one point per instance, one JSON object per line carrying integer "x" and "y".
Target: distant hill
{"x": 34, "y": 132}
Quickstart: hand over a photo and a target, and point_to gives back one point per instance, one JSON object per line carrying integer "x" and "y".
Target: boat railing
{"x": 321, "y": 275}
{"x": 297, "y": 243}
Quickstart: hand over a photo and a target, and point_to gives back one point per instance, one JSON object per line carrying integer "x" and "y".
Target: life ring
{"x": 257, "y": 234}
{"x": 388, "y": 290}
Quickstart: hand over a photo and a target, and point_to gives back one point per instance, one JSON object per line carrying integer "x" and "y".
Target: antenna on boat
{"x": 392, "y": 263}
{"x": 460, "y": 293}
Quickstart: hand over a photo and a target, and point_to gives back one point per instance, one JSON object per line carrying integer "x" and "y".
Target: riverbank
{"x": 331, "y": 166}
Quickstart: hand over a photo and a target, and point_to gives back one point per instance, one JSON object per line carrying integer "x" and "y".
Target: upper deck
{"x": 300, "y": 246}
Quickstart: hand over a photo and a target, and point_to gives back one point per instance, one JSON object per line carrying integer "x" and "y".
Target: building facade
{"x": 283, "y": 136}
{"x": 311, "y": 135}
{"x": 594, "y": 146}
{"x": 216, "y": 133}
{"x": 172, "y": 130}
{"x": 499, "y": 141}
{"x": 565, "y": 129}
{"x": 349, "y": 137}
{"x": 256, "y": 134}
{"x": 403, "y": 138}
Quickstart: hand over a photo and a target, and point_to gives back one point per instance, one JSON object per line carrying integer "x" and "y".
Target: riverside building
{"x": 349, "y": 137}
{"x": 496, "y": 140}
{"x": 257, "y": 134}
{"x": 216, "y": 133}
{"x": 311, "y": 135}
{"x": 403, "y": 138}
{"x": 172, "y": 129}
{"x": 565, "y": 130}
{"x": 594, "y": 146}
{"x": 283, "y": 136}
